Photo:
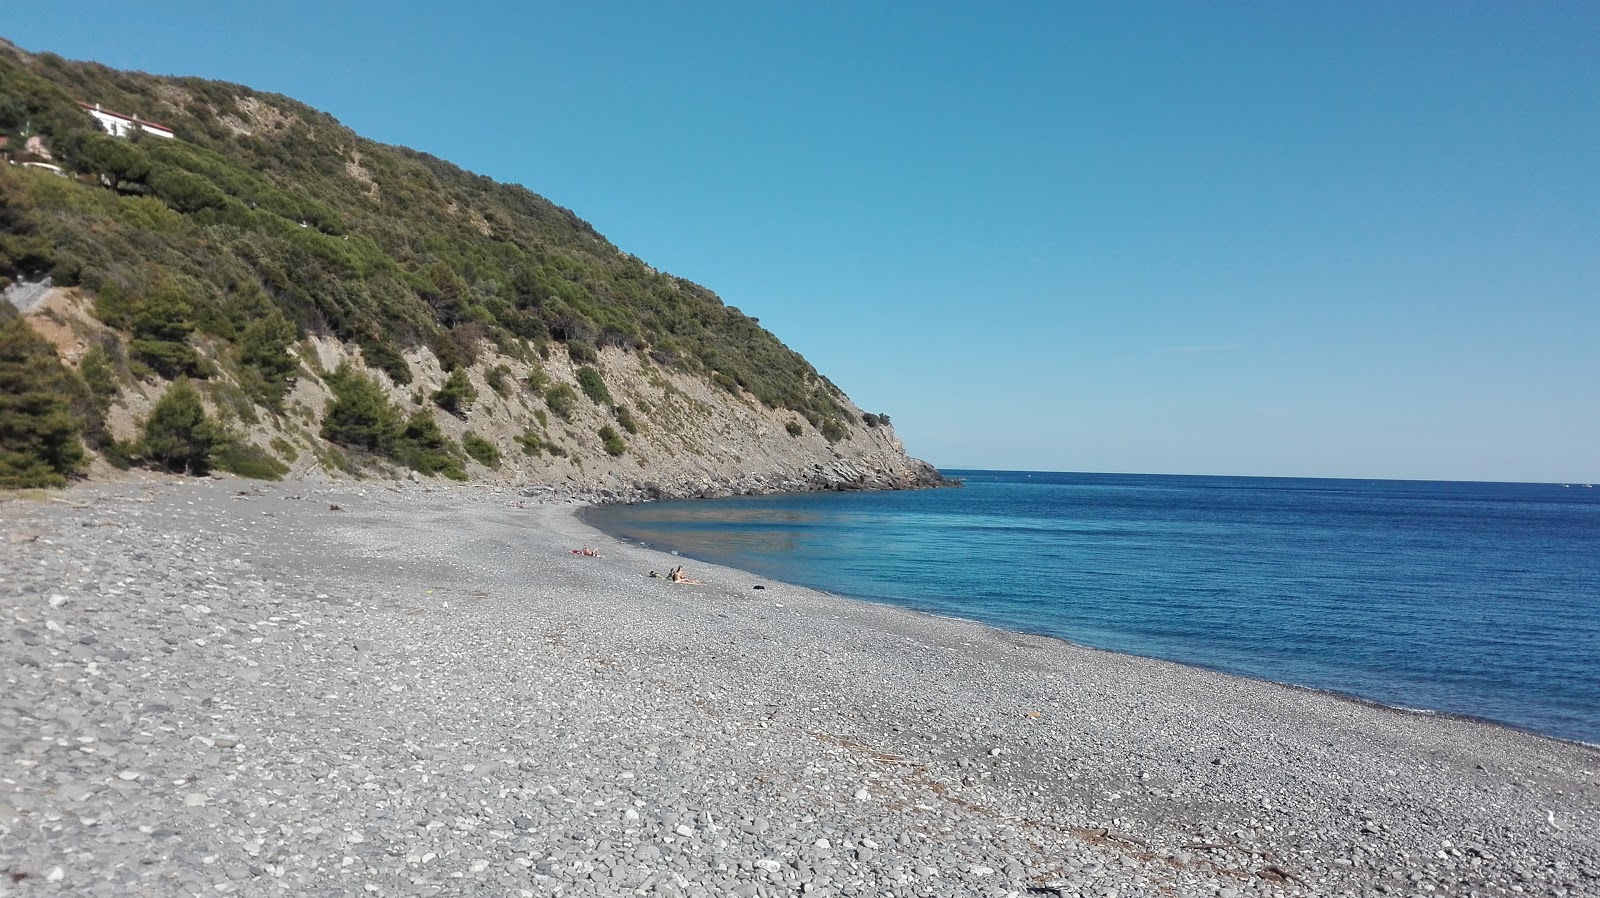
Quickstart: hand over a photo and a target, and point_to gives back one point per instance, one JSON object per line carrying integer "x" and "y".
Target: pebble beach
{"x": 228, "y": 687}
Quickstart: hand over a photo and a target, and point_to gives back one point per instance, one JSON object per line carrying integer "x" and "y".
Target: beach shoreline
{"x": 631, "y": 736}
{"x": 580, "y": 513}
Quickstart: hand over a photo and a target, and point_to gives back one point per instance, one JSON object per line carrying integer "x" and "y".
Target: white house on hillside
{"x": 118, "y": 125}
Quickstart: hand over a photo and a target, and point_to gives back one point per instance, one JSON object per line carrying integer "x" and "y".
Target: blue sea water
{"x": 1480, "y": 599}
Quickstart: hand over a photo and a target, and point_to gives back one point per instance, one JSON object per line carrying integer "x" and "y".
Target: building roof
{"x": 95, "y": 107}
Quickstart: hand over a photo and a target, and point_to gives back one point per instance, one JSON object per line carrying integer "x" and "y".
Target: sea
{"x": 1473, "y": 599}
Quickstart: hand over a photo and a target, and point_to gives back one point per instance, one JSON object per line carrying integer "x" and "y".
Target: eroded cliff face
{"x": 690, "y": 438}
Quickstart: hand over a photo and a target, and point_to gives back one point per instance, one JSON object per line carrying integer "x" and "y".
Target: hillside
{"x": 250, "y": 285}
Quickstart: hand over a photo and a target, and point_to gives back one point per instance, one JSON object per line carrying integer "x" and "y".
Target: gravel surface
{"x": 222, "y": 687}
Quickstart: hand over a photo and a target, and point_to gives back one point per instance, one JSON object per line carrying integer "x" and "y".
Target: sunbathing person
{"x": 676, "y": 575}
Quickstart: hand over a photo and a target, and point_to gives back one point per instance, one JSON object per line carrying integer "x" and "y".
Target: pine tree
{"x": 39, "y": 435}
{"x": 178, "y": 435}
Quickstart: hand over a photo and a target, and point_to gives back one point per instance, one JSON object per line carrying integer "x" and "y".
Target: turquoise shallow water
{"x": 1480, "y": 599}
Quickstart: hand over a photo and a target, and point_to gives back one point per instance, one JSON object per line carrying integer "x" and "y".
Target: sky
{"x": 1283, "y": 239}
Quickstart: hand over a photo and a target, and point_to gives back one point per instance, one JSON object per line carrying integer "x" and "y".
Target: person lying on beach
{"x": 587, "y": 552}
{"x": 676, "y": 575}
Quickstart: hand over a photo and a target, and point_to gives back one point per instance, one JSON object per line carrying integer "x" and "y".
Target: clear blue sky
{"x": 1339, "y": 239}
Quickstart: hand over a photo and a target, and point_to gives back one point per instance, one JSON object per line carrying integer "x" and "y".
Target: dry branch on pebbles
{"x": 223, "y": 688}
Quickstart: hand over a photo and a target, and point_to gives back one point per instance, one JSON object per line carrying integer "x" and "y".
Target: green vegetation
{"x": 99, "y": 374}
{"x": 422, "y": 447}
{"x": 625, "y": 418}
{"x": 248, "y": 460}
{"x": 178, "y": 436}
{"x": 244, "y": 241}
{"x": 534, "y": 444}
{"x": 481, "y": 450}
{"x": 593, "y": 386}
{"x": 457, "y": 393}
{"x": 794, "y": 428}
{"x": 612, "y": 440}
{"x": 832, "y": 431}
{"x": 161, "y": 329}
{"x": 380, "y": 246}
{"x": 362, "y": 417}
{"x": 39, "y": 428}
{"x": 498, "y": 378}
{"x": 269, "y": 370}
{"x": 561, "y": 399}
{"x": 536, "y": 381}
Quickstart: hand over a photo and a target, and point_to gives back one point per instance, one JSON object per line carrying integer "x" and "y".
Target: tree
{"x": 360, "y": 415}
{"x": 116, "y": 161}
{"x": 39, "y": 437}
{"x": 161, "y": 334}
{"x": 456, "y": 394}
{"x": 178, "y": 435}
{"x": 264, "y": 348}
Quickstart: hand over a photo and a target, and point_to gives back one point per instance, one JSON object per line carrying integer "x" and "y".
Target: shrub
{"x": 497, "y": 378}
{"x": 99, "y": 375}
{"x": 794, "y": 428}
{"x": 114, "y": 160}
{"x": 561, "y": 399}
{"x": 248, "y": 460}
{"x": 183, "y": 191}
{"x": 625, "y": 418}
{"x": 870, "y": 419}
{"x": 264, "y": 352}
{"x": 421, "y": 446}
{"x": 379, "y": 354}
{"x": 532, "y": 443}
{"x": 161, "y": 336}
{"x": 118, "y": 454}
{"x": 178, "y": 436}
{"x": 593, "y": 386}
{"x": 39, "y": 437}
{"x": 360, "y": 415}
{"x": 456, "y": 394}
{"x": 581, "y": 352}
{"x": 481, "y": 450}
{"x": 884, "y": 420}
{"x": 832, "y": 430}
{"x": 612, "y": 440}
{"x": 536, "y": 380}
{"x": 285, "y": 449}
